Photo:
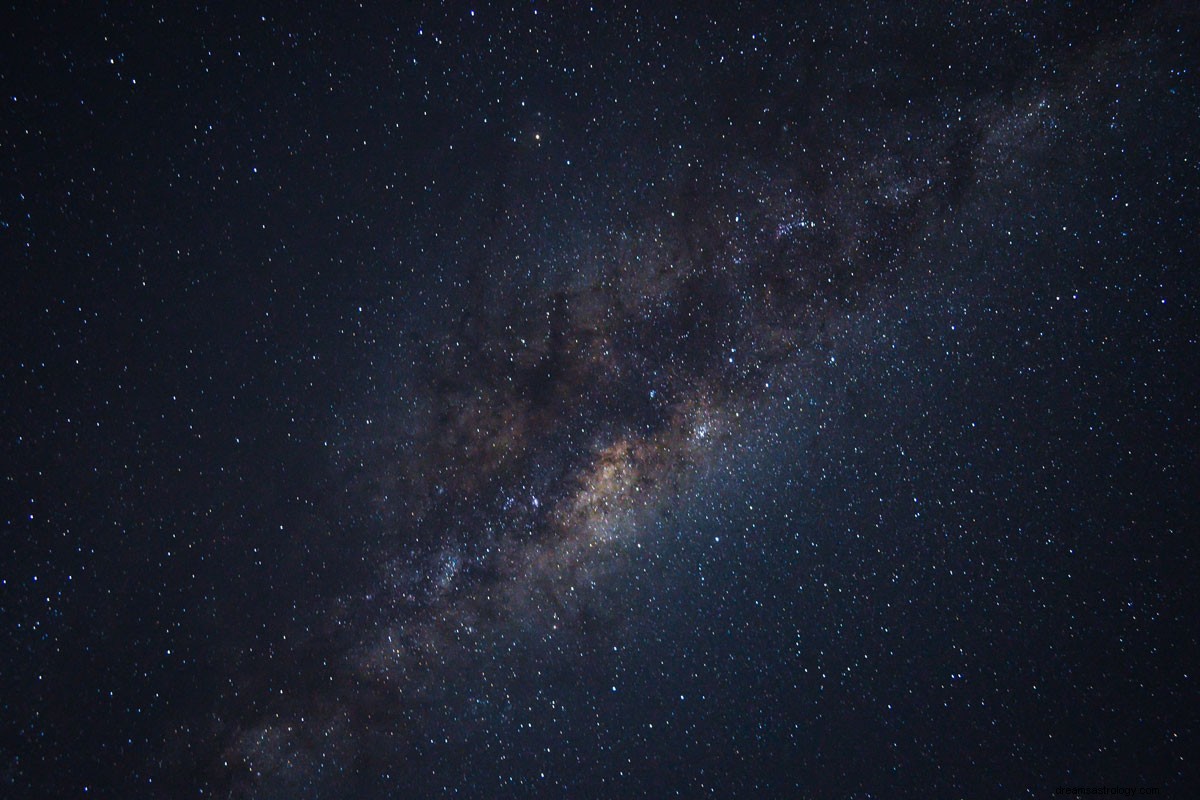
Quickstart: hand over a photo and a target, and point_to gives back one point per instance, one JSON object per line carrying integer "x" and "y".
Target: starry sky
{"x": 731, "y": 400}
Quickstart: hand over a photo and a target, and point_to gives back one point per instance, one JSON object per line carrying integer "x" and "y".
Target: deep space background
{"x": 761, "y": 400}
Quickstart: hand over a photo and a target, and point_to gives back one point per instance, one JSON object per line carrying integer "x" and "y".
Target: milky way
{"x": 529, "y": 402}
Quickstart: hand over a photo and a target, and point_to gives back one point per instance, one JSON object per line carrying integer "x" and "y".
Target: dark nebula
{"x": 555, "y": 401}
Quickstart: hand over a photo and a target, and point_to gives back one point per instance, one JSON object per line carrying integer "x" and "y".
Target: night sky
{"x": 440, "y": 400}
